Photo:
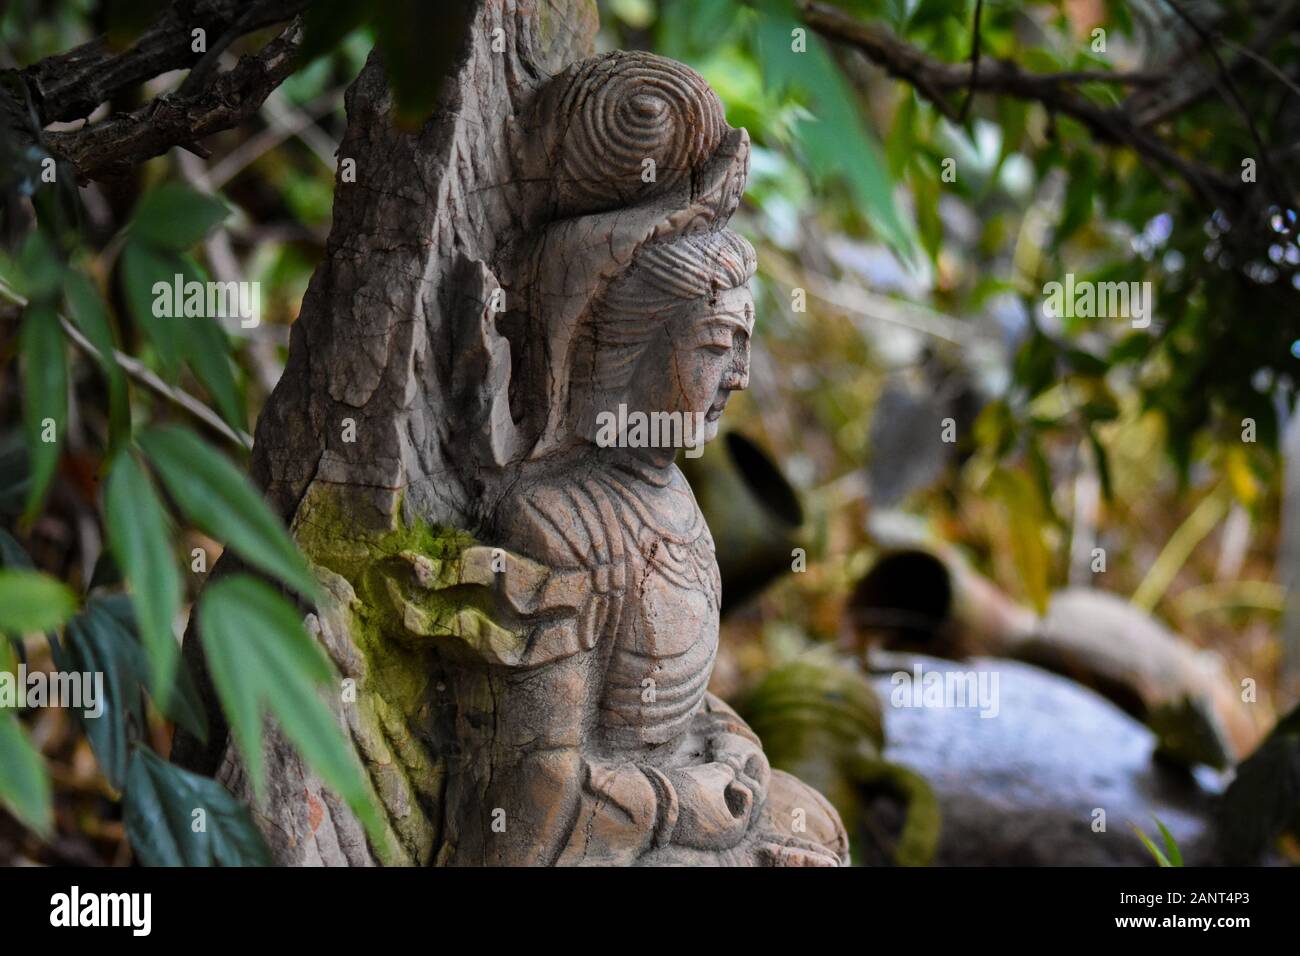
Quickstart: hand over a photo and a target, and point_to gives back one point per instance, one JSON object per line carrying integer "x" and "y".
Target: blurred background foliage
{"x": 892, "y": 298}
{"x": 925, "y": 302}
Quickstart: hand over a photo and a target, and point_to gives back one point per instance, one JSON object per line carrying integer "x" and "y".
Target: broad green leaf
{"x": 203, "y": 344}
{"x": 39, "y": 270}
{"x": 418, "y": 42}
{"x": 95, "y": 643}
{"x": 86, "y": 310}
{"x": 219, "y": 499}
{"x": 262, "y": 659}
{"x": 1081, "y": 185}
{"x": 137, "y": 532}
{"x": 325, "y": 25}
{"x": 178, "y": 818}
{"x": 172, "y": 217}
{"x": 31, "y": 601}
{"x": 24, "y": 784}
{"x": 690, "y": 30}
{"x": 12, "y": 554}
{"x": 45, "y": 408}
{"x": 835, "y": 141}
{"x": 1026, "y": 517}
{"x": 185, "y": 706}
{"x": 142, "y": 268}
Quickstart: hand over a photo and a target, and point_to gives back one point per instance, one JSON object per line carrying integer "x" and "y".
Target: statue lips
{"x": 717, "y": 408}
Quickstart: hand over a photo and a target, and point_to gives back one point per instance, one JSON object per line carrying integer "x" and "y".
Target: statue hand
{"x": 524, "y": 615}
{"x": 746, "y": 760}
{"x": 714, "y": 806}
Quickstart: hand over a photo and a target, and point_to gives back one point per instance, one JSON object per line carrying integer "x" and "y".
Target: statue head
{"x": 666, "y": 343}
{"x": 637, "y": 283}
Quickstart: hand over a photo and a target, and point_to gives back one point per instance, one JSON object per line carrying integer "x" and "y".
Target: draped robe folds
{"x": 607, "y": 747}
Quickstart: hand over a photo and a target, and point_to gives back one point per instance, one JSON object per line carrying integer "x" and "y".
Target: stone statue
{"x": 538, "y": 695}
{"x": 602, "y": 616}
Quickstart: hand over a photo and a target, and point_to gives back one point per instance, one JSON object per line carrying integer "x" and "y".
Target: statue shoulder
{"x": 562, "y": 521}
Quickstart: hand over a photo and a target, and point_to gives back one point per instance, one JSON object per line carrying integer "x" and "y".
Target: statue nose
{"x": 737, "y": 377}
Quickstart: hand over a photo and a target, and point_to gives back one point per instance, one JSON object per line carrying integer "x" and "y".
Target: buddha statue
{"x": 586, "y": 622}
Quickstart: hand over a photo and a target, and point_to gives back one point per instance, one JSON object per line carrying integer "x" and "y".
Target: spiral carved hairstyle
{"x": 619, "y": 110}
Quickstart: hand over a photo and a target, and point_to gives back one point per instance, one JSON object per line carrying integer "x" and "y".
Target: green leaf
{"x": 31, "y": 602}
{"x": 38, "y": 268}
{"x": 203, "y": 343}
{"x": 835, "y": 140}
{"x": 185, "y": 706}
{"x": 24, "y": 784}
{"x": 221, "y": 501}
{"x": 418, "y": 42}
{"x": 1160, "y": 858}
{"x": 137, "y": 532}
{"x": 261, "y": 658}
{"x": 102, "y": 639}
{"x": 142, "y": 267}
{"x": 325, "y": 25}
{"x": 196, "y": 339}
{"x": 1081, "y": 185}
{"x": 1026, "y": 516}
{"x": 1102, "y": 461}
{"x": 96, "y": 643}
{"x": 178, "y": 818}
{"x": 12, "y": 554}
{"x": 172, "y": 217}
{"x": 45, "y": 408}
{"x": 1171, "y": 847}
{"x": 86, "y": 310}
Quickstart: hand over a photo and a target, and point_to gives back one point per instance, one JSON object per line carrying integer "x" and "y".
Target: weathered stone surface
{"x": 1021, "y": 788}
{"x": 529, "y": 611}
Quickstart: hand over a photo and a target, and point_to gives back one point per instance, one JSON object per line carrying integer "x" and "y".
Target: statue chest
{"x": 664, "y": 644}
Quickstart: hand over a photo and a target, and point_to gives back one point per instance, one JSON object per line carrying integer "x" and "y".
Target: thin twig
{"x": 974, "y": 62}
{"x": 1279, "y": 188}
{"x": 871, "y": 305}
{"x": 106, "y": 149}
{"x": 144, "y": 375}
{"x": 199, "y": 73}
{"x": 933, "y": 78}
{"x": 1187, "y": 87}
{"x": 1250, "y": 54}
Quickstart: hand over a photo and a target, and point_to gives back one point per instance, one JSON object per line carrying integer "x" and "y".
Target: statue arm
{"x": 538, "y": 620}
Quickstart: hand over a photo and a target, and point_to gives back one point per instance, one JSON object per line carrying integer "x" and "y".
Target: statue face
{"x": 701, "y": 357}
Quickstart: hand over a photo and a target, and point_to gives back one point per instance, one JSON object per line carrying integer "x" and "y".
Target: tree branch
{"x": 109, "y": 148}
{"x": 934, "y": 79}
{"x": 68, "y": 86}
